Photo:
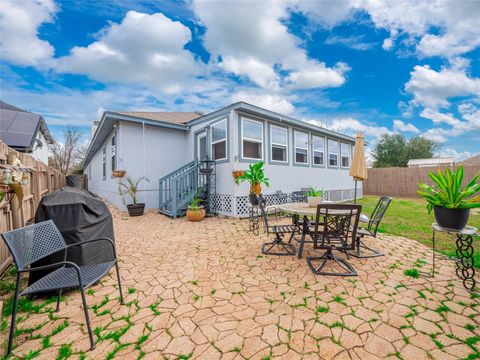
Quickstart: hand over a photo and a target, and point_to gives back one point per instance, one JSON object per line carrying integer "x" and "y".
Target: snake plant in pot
{"x": 255, "y": 175}
{"x": 450, "y": 201}
{"x": 129, "y": 186}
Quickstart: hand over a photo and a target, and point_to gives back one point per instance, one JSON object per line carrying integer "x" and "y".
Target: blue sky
{"x": 354, "y": 65}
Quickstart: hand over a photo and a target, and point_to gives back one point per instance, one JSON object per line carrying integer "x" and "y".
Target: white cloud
{"x": 437, "y": 28}
{"x": 405, "y": 127}
{"x": 272, "y": 102}
{"x": 432, "y": 88}
{"x": 438, "y": 117}
{"x": 142, "y": 49}
{"x": 252, "y": 40}
{"x": 353, "y": 125}
{"x": 354, "y": 42}
{"x": 457, "y": 155}
{"x": 19, "y": 22}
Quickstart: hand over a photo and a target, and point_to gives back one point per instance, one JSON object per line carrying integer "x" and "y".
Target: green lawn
{"x": 409, "y": 218}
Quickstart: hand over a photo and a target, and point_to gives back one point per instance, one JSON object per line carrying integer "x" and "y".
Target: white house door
{"x": 202, "y": 146}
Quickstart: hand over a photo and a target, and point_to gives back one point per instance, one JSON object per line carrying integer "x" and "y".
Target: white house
{"x": 169, "y": 149}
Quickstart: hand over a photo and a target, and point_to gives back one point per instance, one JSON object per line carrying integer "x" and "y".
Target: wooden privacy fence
{"x": 403, "y": 182}
{"x": 14, "y": 215}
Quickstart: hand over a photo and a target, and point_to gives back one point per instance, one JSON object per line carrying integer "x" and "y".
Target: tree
{"x": 395, "y": 151}
{"x": 68, "y": 155}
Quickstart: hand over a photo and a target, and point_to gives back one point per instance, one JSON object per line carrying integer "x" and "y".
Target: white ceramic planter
{"x": 313, "y": 201}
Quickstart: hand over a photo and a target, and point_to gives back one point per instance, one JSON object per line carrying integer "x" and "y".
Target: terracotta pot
{"x": 196, "y": 214}
{"x": 256, "y": 189}
{"x": 236, "y": 174}
{"x": 136, "y": 209}
{"x": 119, "y": 173}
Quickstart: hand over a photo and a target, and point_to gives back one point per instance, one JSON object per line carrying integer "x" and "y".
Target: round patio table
{"x": 303, "y": 209}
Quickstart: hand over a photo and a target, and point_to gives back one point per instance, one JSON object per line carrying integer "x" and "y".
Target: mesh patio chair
{"x": 280, "y": 231}
{"x": 371, "y": 230}
{"x": 34, "y": 242}
{"x": 340, "y": 223}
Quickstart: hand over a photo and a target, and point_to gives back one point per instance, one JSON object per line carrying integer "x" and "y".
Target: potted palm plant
{"x": 314, "y": 196}
{"x": 195, "y": 211}
{"x": 129, "y": 186}
{"x": 255, "y": 175}
{"x": 450, "y": 201}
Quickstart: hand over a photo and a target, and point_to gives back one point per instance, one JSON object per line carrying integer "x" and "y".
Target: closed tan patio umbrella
{"x": 358, "y": 169}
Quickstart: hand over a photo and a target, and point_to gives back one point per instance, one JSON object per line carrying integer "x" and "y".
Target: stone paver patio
{"x": 201, "y": 290}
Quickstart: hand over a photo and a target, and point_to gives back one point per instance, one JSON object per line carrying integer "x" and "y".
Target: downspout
{"x": 144, "y": 159}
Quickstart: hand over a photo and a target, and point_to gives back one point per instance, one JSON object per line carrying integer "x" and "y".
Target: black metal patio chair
{"x": 280, "y": 231}
{"x": 32, "y": 243}
{"x": 340, "y": 223}
{"x": 371, "y": 231}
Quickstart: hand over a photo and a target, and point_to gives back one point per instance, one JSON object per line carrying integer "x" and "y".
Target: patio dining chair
{"x": 280, "y": 231}
{"x": 32, "y": 243}
{"x": 340, "y": 223}
{"x": 371, "y": 231}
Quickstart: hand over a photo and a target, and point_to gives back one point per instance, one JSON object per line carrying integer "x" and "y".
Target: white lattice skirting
{"x": 238, "y": 206}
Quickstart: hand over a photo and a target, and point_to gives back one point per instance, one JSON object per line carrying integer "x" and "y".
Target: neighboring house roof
{"x": 179, "y": 121}
{"x": 170, "y": 117}
{"x": 430, "y": 162}
{"x": 19, "y": 128}
{"x": 473, "y": 161}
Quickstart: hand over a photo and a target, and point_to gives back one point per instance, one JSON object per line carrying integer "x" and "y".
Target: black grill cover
{"x": 79, "y": 216}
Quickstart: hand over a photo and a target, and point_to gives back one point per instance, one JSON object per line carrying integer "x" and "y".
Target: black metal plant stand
{"x": 207, "y": 181}
{"x": 464, "y": 262}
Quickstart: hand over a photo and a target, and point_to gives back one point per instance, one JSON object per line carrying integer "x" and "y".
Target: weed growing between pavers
{"x": 412, "y": 273}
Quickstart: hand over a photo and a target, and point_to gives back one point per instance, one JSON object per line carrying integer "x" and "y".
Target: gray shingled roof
{"x": 170, "y": 117}
{"x": 19, "y": 128}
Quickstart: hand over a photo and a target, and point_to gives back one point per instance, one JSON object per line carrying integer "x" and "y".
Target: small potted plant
{"x": 130, "y": 187}
{"x": 255, "y": 176}
{"x": 195, "y": 211}
{"x": 314, "y": 196}
{"x": 450, "y": 201}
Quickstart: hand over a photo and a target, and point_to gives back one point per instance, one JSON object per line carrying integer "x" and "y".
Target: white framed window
{"x": 114, "y": 152}
{"x": 90, "y": 171}
{"x": 301, "y": 147}
{"x": 278, "y": 144}
{"x": 219, "y": 140}
{"x": 252, "y": 139}
{"x": 332, "y": 153}
{"x": 104, "y": 162}
{"x": 345, "y": 151}
{"x": 318, "y": 150}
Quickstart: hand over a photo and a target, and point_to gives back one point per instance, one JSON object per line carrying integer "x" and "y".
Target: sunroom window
{"x": 279, "y": 141}
{"x": 318, "y": 150}
{"x": 345, "y": 152}
{"x": 332, "y": 152}
{"x": 252, "y": 139}
{"x": 219, "y": 140}
{"x": 301, "y": 147}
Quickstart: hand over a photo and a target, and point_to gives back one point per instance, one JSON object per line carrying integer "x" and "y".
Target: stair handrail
{"x": 168, "y": 184}
{"x": 179, "y": 170}
{"x": 184, "y": 189}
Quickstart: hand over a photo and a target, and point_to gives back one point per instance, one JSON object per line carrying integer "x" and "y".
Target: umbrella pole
{"x": 355, "y": 195}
